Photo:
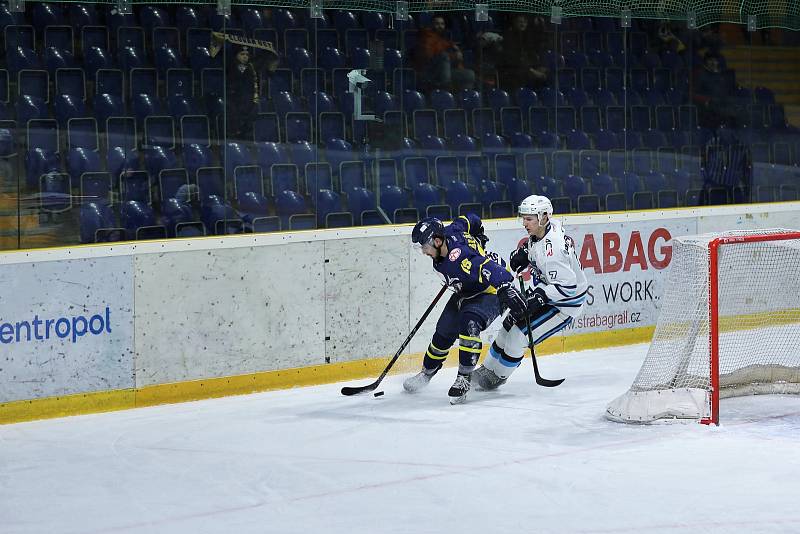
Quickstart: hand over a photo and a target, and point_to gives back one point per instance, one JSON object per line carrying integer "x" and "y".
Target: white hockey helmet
{"x": 535, "y": 205}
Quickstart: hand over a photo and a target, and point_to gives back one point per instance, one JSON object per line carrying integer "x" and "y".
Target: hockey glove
{"x": 519, "y": 260}
{"x": 510, "y": 298}
{"x": 537, "y": 299}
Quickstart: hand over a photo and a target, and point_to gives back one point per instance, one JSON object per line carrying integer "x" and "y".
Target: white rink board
{"x": 216, "y": 307}
{"x": 224, "y": 312}
{"x": 366, "y": 297}
{"x": 82, "y": 295}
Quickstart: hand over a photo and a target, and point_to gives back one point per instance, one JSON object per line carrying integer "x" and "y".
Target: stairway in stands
{"x": 774, "y": 67}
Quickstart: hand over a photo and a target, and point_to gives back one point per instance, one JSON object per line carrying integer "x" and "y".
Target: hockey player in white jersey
{"x": 555, "y": 294}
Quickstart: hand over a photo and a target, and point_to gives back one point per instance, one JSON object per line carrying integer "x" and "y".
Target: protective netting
{"x": 767, "y": 13}
{"x": 759, "y": 329}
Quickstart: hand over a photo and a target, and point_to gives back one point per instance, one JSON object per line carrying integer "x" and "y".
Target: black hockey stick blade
{"x": 349, "y": 391}
{"x": 549, "y": 383}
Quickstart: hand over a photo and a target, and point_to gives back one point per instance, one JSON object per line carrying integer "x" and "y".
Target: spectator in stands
{"x": 717, "y": 105}
{"x": 667, "y": 38}
{"x": 440, "y": 61}
{"x": 489, "y": 48}
{"x": 241, "y": 94}
{"x": 522, "y": 60}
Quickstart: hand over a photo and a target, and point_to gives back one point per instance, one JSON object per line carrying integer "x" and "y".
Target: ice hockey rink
{"x": 309, "y": 460}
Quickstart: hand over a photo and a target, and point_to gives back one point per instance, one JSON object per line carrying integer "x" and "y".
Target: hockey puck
{"x": 378, "y": 394}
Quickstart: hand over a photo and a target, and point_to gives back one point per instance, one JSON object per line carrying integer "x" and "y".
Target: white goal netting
{"x": 758, "y": 317}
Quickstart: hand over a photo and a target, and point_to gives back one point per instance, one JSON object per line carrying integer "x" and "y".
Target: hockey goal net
{"x": 729, "y": 325}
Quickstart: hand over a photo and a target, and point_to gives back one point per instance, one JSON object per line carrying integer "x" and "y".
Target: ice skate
{"x": 459, "y": 389}
{"x": 418, "y": 381}
{"x": 487, "y": 379}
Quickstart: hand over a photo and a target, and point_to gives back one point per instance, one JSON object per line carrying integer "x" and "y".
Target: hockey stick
{"x": 347, "y": 390}
{"x": 539, "y": 380}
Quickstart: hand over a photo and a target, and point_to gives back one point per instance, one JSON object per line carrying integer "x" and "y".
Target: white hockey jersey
{"x": 555, "y": 263}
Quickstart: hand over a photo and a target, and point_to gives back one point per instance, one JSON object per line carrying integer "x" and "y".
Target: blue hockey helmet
{"x": 426, "y": 229}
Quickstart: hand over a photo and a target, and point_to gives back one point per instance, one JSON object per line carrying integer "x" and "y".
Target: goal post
{"x": 729, "y": 325}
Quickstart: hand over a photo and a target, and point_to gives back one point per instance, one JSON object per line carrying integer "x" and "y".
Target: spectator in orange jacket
{"x": 440, "y": 62}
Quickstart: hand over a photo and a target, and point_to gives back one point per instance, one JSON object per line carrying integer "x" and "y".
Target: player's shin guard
{"x": 436, "y": 354}
{"x": 469, "y": 350}
{"x": 500, "y": 362}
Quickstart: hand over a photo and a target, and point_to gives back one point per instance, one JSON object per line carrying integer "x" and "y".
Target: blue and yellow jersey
{"x": 468, "y": 268}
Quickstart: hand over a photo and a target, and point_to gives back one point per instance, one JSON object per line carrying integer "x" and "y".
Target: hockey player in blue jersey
{"x": 555, "y": 296}
{"x": 482, "y": 287}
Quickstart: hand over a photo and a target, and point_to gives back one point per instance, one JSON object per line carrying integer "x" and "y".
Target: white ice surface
{"x": 519, "y": 460}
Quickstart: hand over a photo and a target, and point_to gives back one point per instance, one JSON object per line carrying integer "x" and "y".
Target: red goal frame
{"x": 713, "y": 306}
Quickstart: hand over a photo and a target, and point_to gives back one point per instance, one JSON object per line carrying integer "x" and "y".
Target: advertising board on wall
{"x": 625, "y": 264}
{"x": 65, "y": 327}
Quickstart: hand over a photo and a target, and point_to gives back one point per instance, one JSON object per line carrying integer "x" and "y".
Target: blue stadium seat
{"x": 337, "y": 152}
{"x": 425, "y": 195}
{"x": 284, "y": 177}
{"x": 269, "y": 154}
{"x": 505, "y": 166}
{"x": 476, "y": 169}
{"x": 602, "y": 185}
{"x": 95, "y": 59}
{"x": 119, "y": 161}
{"x": 526, "y": 98}
{"x": 20, "y": 58}
{"x": 326, "y": 202}
{"x": 267, "y": 128}
{"x": 81, "y": 160}
{"x": 68, "y": 107}
{"x": 352, "y": 174}
{"x": 158, "y": 158}
{"x": 153, "y": 16}
{"x": 96, "y": 186}
{"x": 578, "y": 140}
{"x": 318, "y": 176}
{"x": 458, "y": 193}
{"x": 574, "y": 186}
{"x": 298, "y": 127}
{"x": 393, "y": 198}
{"x": 180, "y": 106}
{"x": 483, "y": 122}
{"x": 71, "y": 82}
{"x": 145, "y": 105}
{"x": 441, "y": 100}
{"x": 196, "y": 156}
{"x": 498, "y": 99}
{"x": 180, "y": 82}
{"x": 331, "y": 58}
{"x": 97, "y": 224}
{"x": 34, "y": 83}
{"x": 166, "y": 37}
{"x": 490, "y": 192}
{"x": 412, "y": 100}
{"x": 38, "y": 162}
{"x": 588, "y": 204}
{"x": 468, "y": 99}
{"x": 133, "y": 185}
{"x": 432, "y": 147}
{"x": 121, "y": 131}
{"x": 159, "y": 130}
{"x": 82, "y": 132}
{"x": 82, "y": 15}
{"x": 219, "y": 217}
{"x": 190, "y": 17}
{"x": 518, "y": 190}
{"x": 416, "y": 171}
{"x": 447, "y": 168}
{"x": 577, "y": 97}
{"x": 195, "y": 130}
{"x": 60, "y": 37}
{"x": 288, "y": 203}
{"x": 360, "y": 200}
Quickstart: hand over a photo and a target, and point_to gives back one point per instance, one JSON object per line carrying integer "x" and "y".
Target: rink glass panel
{"x": 85, "y": 168}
